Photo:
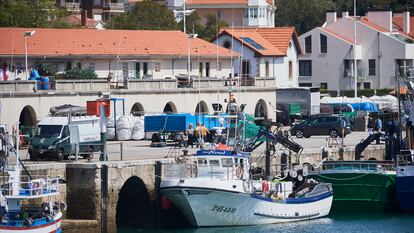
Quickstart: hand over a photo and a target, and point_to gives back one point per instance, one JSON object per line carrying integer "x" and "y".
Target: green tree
{"x": 146, "y": 15}
{"x": 207, "y": 31}
{"x": 304, "y": 15}
{"x": 32, "y": 13}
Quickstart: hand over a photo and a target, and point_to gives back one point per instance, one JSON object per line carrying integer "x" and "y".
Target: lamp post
{"x": 27, "y": 34}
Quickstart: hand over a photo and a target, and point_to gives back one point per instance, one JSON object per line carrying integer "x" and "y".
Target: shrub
{"x": 77, "y": 73}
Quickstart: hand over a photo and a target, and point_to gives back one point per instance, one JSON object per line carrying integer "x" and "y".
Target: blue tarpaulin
{"x": 365, "y": 106}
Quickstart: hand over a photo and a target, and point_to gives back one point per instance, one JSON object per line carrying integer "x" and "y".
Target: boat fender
{"x": 165, "y": 203}
{"x": 265, "y": 186}
{"x": 246, "y": 186}
{"x": 62, "y": 205}
{"x": 239, "y": 171}
{"x": 29, "y": 221}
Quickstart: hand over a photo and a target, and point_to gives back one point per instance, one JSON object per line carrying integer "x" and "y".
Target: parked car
{"x": 322, "y": 125}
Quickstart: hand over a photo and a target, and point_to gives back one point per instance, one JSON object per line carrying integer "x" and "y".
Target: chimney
{"x": 406, "y": 22}
{"x": 345, "y": 14}
{"x": 330, "y": 17}
{"x": 381, "y": 18}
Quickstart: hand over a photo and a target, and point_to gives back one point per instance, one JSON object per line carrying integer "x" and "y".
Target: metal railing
{"x": 185, "y": 171}
{"x": 35, "y": 187}
{"x": 88, "y": 151}
{"x": 405, "y": 160}
{"x": 361, "y": 166}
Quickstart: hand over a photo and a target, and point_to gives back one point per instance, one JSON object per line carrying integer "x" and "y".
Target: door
{"x": 145, "y": 68}
{"x": 245, "y": 68}
{"x": 137, "y": 70}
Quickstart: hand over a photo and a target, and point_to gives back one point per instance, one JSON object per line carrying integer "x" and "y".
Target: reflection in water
{"x": 372, "y": 223}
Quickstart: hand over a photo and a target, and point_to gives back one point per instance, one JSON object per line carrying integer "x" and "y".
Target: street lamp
{"x": 27, "y": 34}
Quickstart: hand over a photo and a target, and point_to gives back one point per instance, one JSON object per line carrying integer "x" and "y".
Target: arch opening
{"x": 170, "y": 108}
{"x": 260, "y": 110}
{"x": 137, "y": 109}
{"x": 134, "y": 208}
{"x": 28, "y": 117}
{"x": 201, "y": 107}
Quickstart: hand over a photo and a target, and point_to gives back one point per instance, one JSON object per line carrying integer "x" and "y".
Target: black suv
{"x": 322, "y": 125}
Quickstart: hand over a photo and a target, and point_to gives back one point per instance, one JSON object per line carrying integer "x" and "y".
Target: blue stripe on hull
{"x": 405, "y": 192}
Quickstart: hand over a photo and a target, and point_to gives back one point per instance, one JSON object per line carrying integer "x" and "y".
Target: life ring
{"x": 239, "y": 171}
{"x": 36, "y": 188}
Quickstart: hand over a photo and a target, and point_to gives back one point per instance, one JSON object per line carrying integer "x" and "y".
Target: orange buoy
{"x": 165, "y": 203}
{"x": 265, "y": 186}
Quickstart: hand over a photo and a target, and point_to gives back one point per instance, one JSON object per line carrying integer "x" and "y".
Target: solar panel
{"x": 252, "y": 43}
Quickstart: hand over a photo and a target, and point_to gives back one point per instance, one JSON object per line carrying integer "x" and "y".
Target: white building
{"x": 239, "y": 13}
{"x": 384, "y": 43}
{"x": 126, "y": 54}
{"x": 265, "y": 52}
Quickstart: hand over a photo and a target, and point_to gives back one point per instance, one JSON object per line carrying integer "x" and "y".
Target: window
{"x": 246, "y": 13}
{"x": 371, "y": 67}
{"x": 227, "y": 44}
{"x": 252, "y": 43}
{"x": 367, "y": 85}
{"x": 324, "y": 43}
{"x": 253, "y": 13}
{"x": 308, "y": 44}
{"x": 305, "y": 67}
{"x": 227, "y": 162}
{"x": 207, "y": 69}
{"x": 214, "y": 162}
{"x": 305, "y": 84}
{"x": 91, "y": 66}
{"x": 145, "y": 68}
{"x": 347, "y": 69}
{"x": 200, "y": 69}
{"x": 68, "y": 65}
{"x": 290, "y": 70}
{"x": 137, "y": 70}
{"x": 324, "y": 86}
{"x": 79, "y": 65}
{"x": 125, "y": 69}
{"x": 157, "y": 66}
{"x": 266, "y": 69}
{"x": 202, "y": 162}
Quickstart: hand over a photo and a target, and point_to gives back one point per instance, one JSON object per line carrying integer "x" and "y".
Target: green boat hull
{"x": 361, "y": 192}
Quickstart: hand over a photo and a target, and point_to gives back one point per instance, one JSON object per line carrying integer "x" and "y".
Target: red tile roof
{"x": 83, "y": 42}
{"x": 364, "y": 20}
{"x": 398, "y": 21}
{"x": 221, "y": 2}
{"x": 275, "y": 41}
{"x": 350, "y": 41}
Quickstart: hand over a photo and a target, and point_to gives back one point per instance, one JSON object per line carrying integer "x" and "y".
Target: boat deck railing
{"x": 37, "y": 186}
{"x": 186, "y": 171}
{"x": 405, "y": 159}
{"x": 356, "y": 166}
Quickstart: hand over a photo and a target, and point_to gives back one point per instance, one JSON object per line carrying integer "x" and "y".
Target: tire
{"x": 333, "y": 133}
{"x": 299, "y": 133}
{"x": 59, "y": 155}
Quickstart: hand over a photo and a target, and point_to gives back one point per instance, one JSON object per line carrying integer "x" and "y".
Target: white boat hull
{"x": 206, "y": 207}
{"x": 54, "y": 226}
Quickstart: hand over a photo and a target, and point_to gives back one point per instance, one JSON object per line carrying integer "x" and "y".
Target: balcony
{"x": 72, "y": 6}
{"x": 114, "y": 6}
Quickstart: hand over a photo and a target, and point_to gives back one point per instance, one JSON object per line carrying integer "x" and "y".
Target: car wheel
{"x": 59, "y": 155}
{"x": 333, "y": 133}
{"x": 299, "y": 133}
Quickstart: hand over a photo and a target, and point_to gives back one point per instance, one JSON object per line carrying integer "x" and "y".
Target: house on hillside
{"x": 125, "y": 54}
{"x": 384, "y": 44}
{"x": 240, "y": 13}
{"x": 264, "y": 52}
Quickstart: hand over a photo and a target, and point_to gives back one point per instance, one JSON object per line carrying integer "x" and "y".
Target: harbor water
{"x": 367, "y": 223}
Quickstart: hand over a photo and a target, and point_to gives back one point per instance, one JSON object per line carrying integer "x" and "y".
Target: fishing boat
{"x": 215, "y": 188}
{"x": 17, "y": 191}
{"x": 405, "y": 180}
{"x": 362, "y": 186}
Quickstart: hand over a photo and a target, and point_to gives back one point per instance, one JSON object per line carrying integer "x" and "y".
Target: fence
{"x": 34, "y": 186}
{"x": 88, "y": 151}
